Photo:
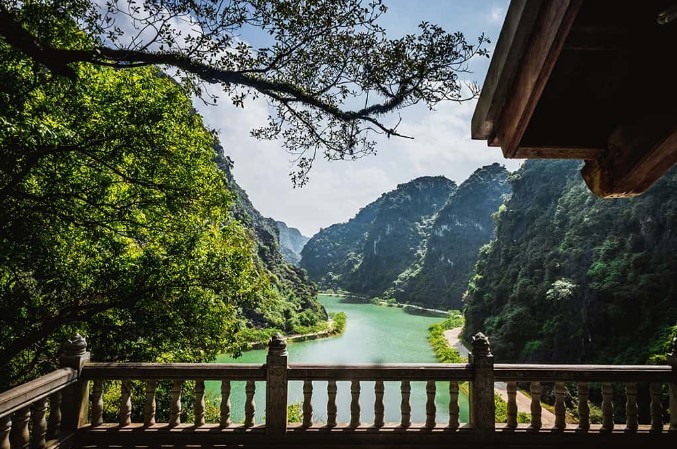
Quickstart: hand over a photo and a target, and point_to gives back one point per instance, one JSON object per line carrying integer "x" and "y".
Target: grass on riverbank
{"x": 444, "y": 352}
{"x": 259, "y": 337}
{"x": 447, "y": 354}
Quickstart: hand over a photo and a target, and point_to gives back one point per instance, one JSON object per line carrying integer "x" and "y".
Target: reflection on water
{"x": 374, "y": 334}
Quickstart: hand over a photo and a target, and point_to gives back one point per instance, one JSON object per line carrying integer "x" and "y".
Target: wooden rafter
{"x": 638, "y": 155}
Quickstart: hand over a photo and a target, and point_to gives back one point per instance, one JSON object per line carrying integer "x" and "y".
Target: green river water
{"x": 374, "y": 334}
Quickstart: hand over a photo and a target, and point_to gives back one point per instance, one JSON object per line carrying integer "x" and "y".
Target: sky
{"x": 338, "y": 189}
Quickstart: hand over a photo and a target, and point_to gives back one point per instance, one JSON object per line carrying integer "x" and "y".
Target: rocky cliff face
{"x": 574, "y": 278}
{"x": 367, "y": 254}
{"x": 291, "y": 243}
{"x": 440, "y": 276}
{"x": 292, "y": 291}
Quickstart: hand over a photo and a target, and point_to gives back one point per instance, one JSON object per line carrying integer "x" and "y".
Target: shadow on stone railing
{"x": 69, "y": 422}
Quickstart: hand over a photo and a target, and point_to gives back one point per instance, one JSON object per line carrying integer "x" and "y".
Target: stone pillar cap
{"x": 76, "y": 346}
{"x": 480, "y": 345}
{"x": 277, "y": 345}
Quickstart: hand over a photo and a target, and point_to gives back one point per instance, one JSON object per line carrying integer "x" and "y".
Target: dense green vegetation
{"x": 416, "y": 244}
{"x": 291, "y": 243}
{"x": 117, "y": 222}
{"x": 440, "y": 276}
{"x": 444, "y": 352}
{"x": 313, "y": 62}
{"x": 574, "y": 278}
{"x": 290, "y": 306}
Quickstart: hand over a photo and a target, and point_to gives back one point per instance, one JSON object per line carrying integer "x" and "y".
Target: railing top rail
{"x": 174, "y": 371}
{"x": 26, "y": 394}
{"x": 383, "y": 371}
{"x": 584, "y": 373}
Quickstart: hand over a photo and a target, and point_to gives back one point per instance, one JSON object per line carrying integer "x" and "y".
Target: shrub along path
{"x": 523, "y": 401}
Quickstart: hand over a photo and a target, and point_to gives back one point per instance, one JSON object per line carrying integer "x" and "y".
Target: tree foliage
{"x": 115, "y": 219}
{"x": 574, "y": 278}
{"x": 327, "y": 68}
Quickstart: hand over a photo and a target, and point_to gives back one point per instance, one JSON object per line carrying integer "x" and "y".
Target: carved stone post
{"x": 672, "y": 361}
{"x": 482, "y": 413}
{"x": 276, "y": 387}
{"x": 75, "y": 398}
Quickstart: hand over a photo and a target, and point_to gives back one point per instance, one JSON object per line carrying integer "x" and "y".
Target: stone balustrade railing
{"x": 72, "y": 422}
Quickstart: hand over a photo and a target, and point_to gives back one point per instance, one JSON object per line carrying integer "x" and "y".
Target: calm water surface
{"x": 374, "y": 334}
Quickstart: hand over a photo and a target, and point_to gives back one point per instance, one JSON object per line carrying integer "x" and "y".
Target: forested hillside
{"x": 417, "y": 244}
{"x": 116, "y": 222}
{"x": 574, "y": 278}
{"x": 291, "y": 303}
{"x": 460, "y": 228}
{"x": 369, "y": 252}
{"x": 291, "y": 242}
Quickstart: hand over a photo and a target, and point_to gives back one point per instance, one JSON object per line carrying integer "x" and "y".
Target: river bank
{"x": 373, "y": 335}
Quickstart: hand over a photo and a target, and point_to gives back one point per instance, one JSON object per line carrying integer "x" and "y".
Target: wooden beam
{"x": 504, "y": 64}
{"x": 545, "y": 44}
{"x": 542, "y": 152}
{"x": 638, "y": 155}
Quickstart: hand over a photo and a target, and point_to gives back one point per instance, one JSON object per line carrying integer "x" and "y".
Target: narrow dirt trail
{"x": 523, "y": 401}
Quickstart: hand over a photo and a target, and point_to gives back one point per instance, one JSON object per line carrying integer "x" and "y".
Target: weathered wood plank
{"x": 505, "y": 60}
{"x": 25, "y": 394}
{"x": 638, "y": 155}
{"x": 545, "y": 44}
{"x": 529, "y": 152}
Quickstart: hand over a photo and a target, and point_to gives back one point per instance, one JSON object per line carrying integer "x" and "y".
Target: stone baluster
{"x": 19, "y": 437}
{"x": 175, "y": 404}
{"x": 535, "y": 391}
{"x": 482, "y": 407}
{"x": 224, "y": 419}
{"x": 379, "y": 407}
{"x": 331, "y": 403}
{"x": 276, "y": 387}
{"x": 75, "y": 398}
{"x": 511, "y": 408}
{"x": 249, "y": 405}
{"x": 583, "y": 407}
{"x": 430, "y": 409}
{"x": 5, "y": 429}
{"x": 150, "y": 406}
{"x": 631, "y": 407}
{"x": 655, "y": 389}
{"x": 125, "y": 415}
{"x": 97, "y": 403}
{"x": 54, "y": 421}
{"x": 607, "y": 407}
{"x": 405, "y": 407}
{"x": 672, "y": 361}
{"x": 453, "y": 405}
{"x": 560, "y": 409}
{"x": 199, "y": 410}
{"x": 355, "y": 403}
{"x": 39, "y": 433}
{"x": 307, "y": 403}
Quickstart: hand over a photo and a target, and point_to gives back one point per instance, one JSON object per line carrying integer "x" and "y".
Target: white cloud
{"x": 496, "y": 14}
{"x": 338, "y": 189}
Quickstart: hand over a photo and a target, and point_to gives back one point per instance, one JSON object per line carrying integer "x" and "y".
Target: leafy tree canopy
{"x": 328, "y": 70}
{"x": 115, "y": 219}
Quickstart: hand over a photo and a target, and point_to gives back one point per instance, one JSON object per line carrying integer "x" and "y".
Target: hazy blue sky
{"x": 337, "y": 190}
